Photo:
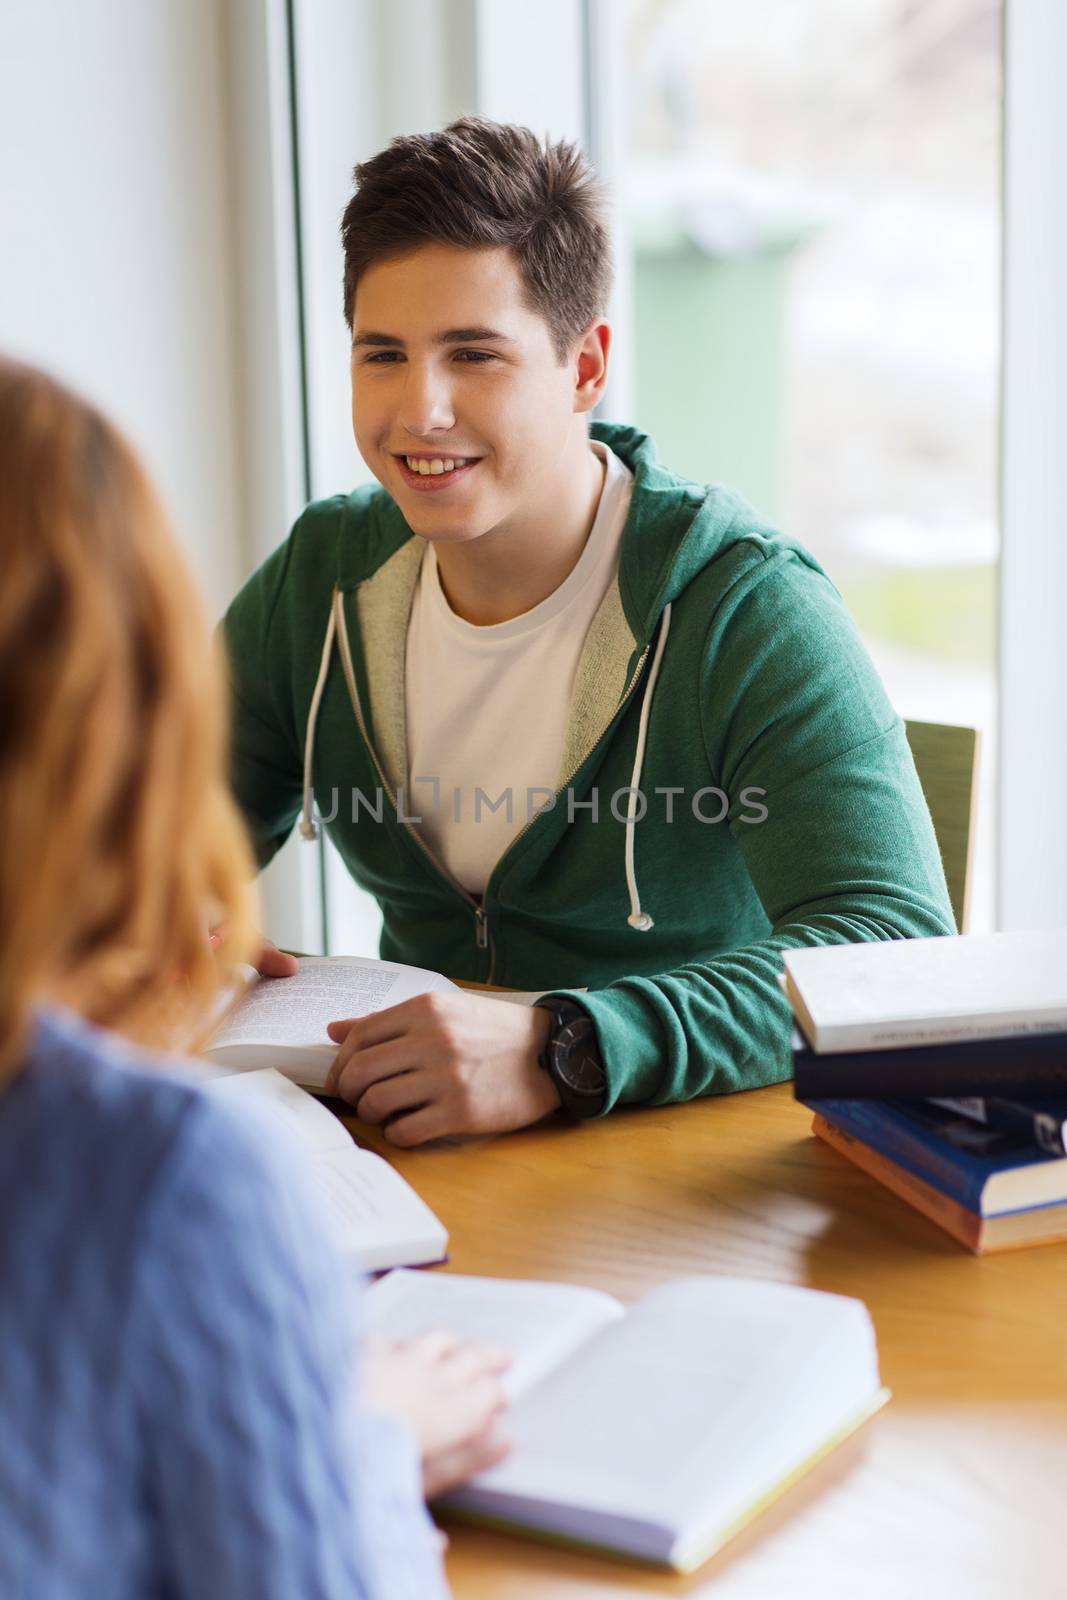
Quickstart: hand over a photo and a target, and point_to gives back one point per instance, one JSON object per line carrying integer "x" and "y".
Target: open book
{"x": 660, "y": 1431}
{"x": 373, "y": 1215}
{"x": 281, "y": 1022}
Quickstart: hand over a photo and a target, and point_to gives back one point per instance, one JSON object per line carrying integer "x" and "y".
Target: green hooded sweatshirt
{"x": 729, "y": 646}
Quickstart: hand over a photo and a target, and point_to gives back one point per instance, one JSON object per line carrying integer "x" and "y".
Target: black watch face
{"x": 577, "y": 1059}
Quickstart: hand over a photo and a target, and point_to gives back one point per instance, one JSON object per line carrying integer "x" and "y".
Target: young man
{"x": 645, "y": 747}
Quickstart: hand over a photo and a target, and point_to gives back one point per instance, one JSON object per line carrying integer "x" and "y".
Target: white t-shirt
{"x": 487, "y": 707}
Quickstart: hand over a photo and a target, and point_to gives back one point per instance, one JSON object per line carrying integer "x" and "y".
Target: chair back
{"x": 946, "y": 759}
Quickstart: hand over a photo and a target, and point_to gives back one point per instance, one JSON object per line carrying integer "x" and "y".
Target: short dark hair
{"x": 477, "y": 184}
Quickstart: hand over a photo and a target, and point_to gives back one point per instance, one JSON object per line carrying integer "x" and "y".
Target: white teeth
{"x": 433, "y": 468}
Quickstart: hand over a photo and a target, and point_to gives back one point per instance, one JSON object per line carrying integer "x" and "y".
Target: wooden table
{"x": 959, "y": 1487}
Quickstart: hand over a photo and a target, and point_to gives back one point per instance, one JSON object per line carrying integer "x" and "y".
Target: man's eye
{"x": 475, "y": 356}
{"x": 381, "y": 358}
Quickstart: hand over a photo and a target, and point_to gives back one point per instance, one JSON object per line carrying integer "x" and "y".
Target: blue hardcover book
{"x": 1038, "y": 1118}
{"x": 989, "y": 1171}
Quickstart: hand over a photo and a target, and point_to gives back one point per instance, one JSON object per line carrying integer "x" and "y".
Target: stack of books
{"x": 939, "y": 1066}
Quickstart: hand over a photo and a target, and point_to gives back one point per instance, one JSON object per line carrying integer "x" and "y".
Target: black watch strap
{"x": 571, "y": 1057}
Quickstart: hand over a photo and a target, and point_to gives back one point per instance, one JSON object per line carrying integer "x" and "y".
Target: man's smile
{"x": 434, "y": 471}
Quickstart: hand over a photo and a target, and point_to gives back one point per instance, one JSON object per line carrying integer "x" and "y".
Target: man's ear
{"x": 590, "y": 362}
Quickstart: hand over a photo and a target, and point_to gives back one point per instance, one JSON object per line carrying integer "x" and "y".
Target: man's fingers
{"x": 391, "y": 1022}
{"x": 275, "y": 963}
{"x": 355, "y": 1068}
{"x": 350, "y": 1044}
{"x": 391, "y": 1096}
{"x": 418, "y": 1127}
{"x": 360, "y": 1033}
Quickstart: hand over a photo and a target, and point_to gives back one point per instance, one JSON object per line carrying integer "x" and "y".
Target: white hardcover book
{"x": 373, "y": 1215}
{"x": 657, "y": 1432}
{"x": 886, "y": 994}
{"x": 281, "y": 1022}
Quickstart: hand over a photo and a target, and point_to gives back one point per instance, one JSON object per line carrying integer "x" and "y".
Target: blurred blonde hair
{"x": 119, "y": 843}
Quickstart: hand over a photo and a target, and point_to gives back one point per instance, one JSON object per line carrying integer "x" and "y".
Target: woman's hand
{"x": 449, "y": 1393}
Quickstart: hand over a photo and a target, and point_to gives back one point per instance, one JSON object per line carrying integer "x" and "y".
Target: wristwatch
{"x": 571, "y": 1057}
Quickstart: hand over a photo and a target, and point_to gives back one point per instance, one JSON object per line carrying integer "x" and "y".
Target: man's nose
{"x": 426, "y": 402}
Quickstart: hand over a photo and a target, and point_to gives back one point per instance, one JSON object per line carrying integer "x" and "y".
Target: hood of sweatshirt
{"x": 674, "y": 529}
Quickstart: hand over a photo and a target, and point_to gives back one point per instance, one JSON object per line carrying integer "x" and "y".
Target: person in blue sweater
{"x": 183, "y": 1408}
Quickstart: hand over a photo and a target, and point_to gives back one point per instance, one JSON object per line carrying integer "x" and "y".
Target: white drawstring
{"x": 640, "y": 919}
{"x": 309, "y": 828}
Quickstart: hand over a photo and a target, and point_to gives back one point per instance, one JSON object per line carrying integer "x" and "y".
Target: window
{"x": 810, "y": 203}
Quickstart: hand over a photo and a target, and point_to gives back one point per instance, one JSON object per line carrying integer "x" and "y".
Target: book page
{"x": 369, "y": 1210}
{"x": 541, "y": 1323}
{"x": 375, "y": 1213}
{"x": 293, "y": 1110}
{"x": 692, "y": 1406}
{"x": 295, "y": 1011}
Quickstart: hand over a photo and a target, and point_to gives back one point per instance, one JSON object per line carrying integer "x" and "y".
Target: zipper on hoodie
{"x": 482, "y": 937}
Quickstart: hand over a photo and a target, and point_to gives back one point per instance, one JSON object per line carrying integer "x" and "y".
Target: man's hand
{"x": 444, "y": 1063}
{"x": 449, "y": 1394}
{"x": 274, "y": 963}
{"x": 270, "y": 963}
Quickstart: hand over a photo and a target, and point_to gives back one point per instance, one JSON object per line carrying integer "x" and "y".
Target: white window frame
{"x": 1032, "y": 774}
{"x": 270, "y": 371}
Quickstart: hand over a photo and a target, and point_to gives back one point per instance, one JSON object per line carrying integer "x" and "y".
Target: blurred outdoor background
{"x": 812, "y": 194}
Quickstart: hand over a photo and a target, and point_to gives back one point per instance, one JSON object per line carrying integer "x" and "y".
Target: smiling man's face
{"x": 449, "y": 365}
